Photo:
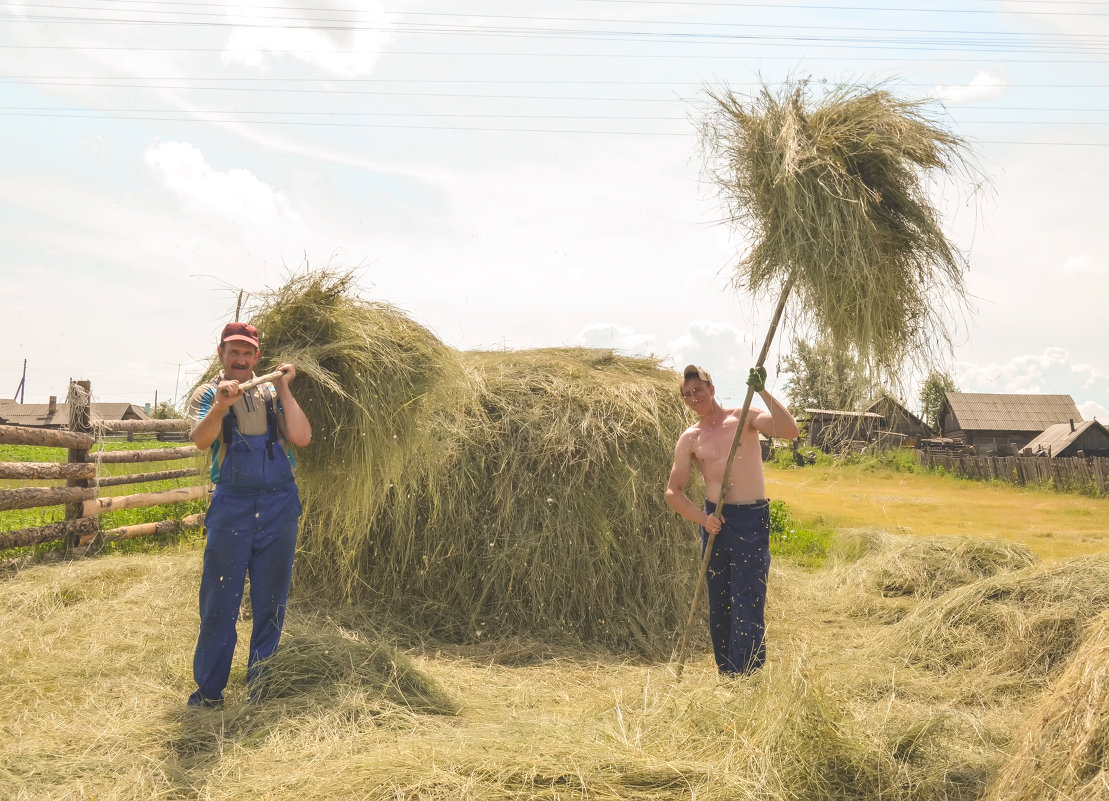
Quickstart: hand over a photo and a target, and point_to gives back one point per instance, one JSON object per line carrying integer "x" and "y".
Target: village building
{"x": 56, "y": 415}
{"x": 899, "y": 425}
{"x": 1001, "y": 424}
{"x": 1090, "y": 438}
{"x": 829, "y": 429}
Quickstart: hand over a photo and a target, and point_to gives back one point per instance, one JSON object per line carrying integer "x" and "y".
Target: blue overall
{"x": 252, "y": 528}
{"x": 736, "y": 583}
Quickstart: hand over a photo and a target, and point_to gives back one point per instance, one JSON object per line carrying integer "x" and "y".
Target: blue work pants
{"x": 736, "y": 582}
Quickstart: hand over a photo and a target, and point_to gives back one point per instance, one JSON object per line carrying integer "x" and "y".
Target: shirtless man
{"x": 740, "y": 560}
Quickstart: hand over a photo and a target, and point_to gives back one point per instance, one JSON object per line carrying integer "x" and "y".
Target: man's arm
{"x": 777, "y": 422}
{"x": 209, "y": 410}
{"x": 676, "y": 498}
{"x": 298, "y": 431}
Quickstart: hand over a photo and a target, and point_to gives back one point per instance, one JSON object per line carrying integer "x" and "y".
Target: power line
{"x": 230, "y": 20}
{"x": 93, "y": 80}
{"x": 678, "y": 3}
{"x": 567, "y": 54}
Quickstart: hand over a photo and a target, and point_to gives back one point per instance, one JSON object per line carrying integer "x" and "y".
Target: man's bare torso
{"x": 710, "y": 447}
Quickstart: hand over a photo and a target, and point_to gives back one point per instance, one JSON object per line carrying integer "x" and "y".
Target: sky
{"x": 512, "y": 175}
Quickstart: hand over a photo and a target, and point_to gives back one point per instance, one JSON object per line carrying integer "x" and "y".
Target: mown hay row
{"x": 883, "y": 575}
{"x": 482, "y": 493}
{"x": 1014, "y": 631}
{"x": 1064, "y": 752}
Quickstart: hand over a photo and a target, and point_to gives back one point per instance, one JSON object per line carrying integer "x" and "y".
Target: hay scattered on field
{"x": 1012, "y": 632}
{"x": 482, "y": 494}
{"x": 885, "y": 575}
{"x": 1064, "y": 751}
{"x": 832, "y": 191}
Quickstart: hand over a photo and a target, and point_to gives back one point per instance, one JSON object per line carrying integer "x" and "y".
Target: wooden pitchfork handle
{"x": 259, "y": 380}
{"x": 699, "y": 586}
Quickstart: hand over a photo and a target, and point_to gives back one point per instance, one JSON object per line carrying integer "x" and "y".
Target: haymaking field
{"x": 489, "y": 585}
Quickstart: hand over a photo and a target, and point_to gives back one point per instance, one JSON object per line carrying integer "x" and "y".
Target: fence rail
{"x": 1075, "y": 473}
{"x": 81, "y": 495}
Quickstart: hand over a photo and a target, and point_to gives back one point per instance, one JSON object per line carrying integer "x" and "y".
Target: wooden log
{"x": 80, "y": 421}
{"x": 30, "y": 497}
{"x": 139, "y": 478}
{"x": 147, "y": 529}
{"x": 44, "y": 437}
{"x": 81, "y": 527}
{"x": 99, "y": 506}
{"x": 46, "y": 470}
{"x": 153, "y": 455}
{"x": 141, "y": 426}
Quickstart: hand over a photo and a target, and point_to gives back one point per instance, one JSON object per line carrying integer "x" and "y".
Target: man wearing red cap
{"x": 740, "y": 561}
{"x": 253, "y": 512}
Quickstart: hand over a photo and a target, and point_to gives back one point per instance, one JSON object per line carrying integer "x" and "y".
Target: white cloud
{"x": 619, "y": 338}
{"x": 1083, "y": 264}
{"x": 235, "y": 194}
{"x": 346, "y": 44}
{"x": 1052, "y": 372}
{"x": 1092, "y": 410}
{"x": 721, "y": 349}
{"x": 983, "y": 86}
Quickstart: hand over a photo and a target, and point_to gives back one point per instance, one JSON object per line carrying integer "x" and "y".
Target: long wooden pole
{"x": 699, "y": 586}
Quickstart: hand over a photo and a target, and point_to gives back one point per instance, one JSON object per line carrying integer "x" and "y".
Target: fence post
{"x": 80, "y": 419}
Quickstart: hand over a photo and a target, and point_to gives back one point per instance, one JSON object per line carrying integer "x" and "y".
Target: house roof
{"x": 887, "y": 402}
{"x": 39, "y": 414}
{"x": 982, "y": 411}
{"x": 1059, "y": 437}
{"x": 841, "y": 413}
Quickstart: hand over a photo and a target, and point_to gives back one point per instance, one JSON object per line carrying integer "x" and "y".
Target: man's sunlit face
{"x": 696, "y": 394}
{"x": 238, "y": 359}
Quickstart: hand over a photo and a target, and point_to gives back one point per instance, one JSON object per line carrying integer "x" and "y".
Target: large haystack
{"x": 483, "y": 493}
{"x": 1064, "y": 752}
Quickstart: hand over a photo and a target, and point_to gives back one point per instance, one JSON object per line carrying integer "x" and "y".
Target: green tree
{"x": 823, "y": 376}
{"x": 932, "y": 394}
{"x": 165, "y": 411}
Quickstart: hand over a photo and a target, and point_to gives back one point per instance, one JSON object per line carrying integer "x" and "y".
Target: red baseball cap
{"x": 243, "y": 332}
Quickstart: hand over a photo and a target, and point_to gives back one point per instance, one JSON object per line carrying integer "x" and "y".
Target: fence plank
{"x": 139, "y": 426}
{"x": 141, "y": 478}
{"x": 153, "y": 455}
{"x": 147, "y": 529}
{"x": 44, "y": 437}
{"x": 99, "y": 506}
{"x": 81, "y": 527}
{"x": 46, "y": 470}
{"x": 30, "y": 497}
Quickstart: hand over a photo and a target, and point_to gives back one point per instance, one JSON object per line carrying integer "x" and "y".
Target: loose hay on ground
{"x": 1064, "y": 751}
{"x": 1010, "y": 633}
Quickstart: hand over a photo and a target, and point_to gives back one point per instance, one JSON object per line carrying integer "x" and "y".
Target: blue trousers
{"x": 251, "y": 534}
{"x": 736, "y": 582}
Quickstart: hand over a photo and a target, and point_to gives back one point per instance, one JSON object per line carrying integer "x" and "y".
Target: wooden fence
{"x": 1075, "y": 474}
{"x": 81, "y": 494}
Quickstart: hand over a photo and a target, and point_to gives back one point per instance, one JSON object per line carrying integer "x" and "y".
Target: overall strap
{"x": 271, "y": 424}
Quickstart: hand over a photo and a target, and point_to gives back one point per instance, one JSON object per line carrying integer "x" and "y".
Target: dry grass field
{"x": 920, "y": 662}
{"x": 1054, "y": 525}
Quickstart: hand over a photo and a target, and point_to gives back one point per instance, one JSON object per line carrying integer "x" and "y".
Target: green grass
{"x": 29, "y": 518}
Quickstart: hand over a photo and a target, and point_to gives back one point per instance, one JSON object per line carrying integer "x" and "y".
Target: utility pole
{"x": 21, "y": 390}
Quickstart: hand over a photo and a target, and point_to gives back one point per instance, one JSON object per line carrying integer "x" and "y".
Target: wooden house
{"x": 828, "y": 429}
{"x": 1002, "y": 425}
{"x": 898, "y": 423}
{"x": 56, "y": 415}
{"x": 1090, "y": 438}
